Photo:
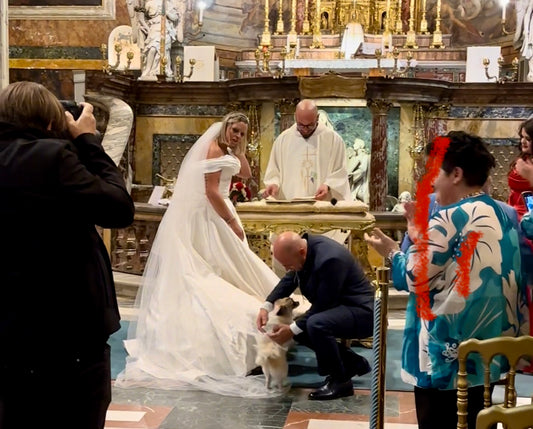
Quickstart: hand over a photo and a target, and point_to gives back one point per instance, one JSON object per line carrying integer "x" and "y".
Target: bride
{"x": 202, "y": 284}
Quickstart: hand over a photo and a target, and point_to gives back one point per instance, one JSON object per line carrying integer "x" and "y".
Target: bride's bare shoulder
{"x": 214, "y": 151}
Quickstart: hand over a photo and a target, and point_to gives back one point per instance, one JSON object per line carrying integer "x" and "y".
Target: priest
{"x": 308, "y": 160}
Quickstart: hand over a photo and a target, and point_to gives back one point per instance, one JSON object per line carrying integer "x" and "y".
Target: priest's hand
{"x": 322, "y": 192}
{"x": 271, "y": 191}
{"x": 281, "y": 334}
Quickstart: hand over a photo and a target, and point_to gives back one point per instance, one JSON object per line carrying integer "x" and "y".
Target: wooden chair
{"x": 512, "y": 348}
{"x": 512, "y": 418}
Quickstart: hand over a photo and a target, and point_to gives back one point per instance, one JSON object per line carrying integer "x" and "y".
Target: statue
{"x": 404, "y": 197}
{"x": 146, "y": 24}
{"x": 358, "y": 164}
{"x": 524, "y": 31}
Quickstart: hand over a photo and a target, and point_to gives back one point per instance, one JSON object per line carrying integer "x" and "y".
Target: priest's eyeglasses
{"x": 310, "y": 126}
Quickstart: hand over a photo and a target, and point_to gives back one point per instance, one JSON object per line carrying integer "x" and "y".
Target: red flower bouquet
{"x": 239, "y": 193}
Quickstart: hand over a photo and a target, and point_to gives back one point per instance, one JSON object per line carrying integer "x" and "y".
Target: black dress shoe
{"x": 332, "y": 390}
{"x": 324, "y": 384}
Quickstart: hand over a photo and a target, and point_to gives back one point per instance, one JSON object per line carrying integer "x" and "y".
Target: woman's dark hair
{"x": 31, "y": 105}
{"x": 527, "y": 126}
{"x": 470, "y": 153}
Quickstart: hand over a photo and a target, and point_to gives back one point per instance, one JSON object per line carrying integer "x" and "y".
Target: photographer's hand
{"x": 86, "y": 123}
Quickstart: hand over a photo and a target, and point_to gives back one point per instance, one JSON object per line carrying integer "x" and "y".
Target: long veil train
{"x": 201, "y": 291}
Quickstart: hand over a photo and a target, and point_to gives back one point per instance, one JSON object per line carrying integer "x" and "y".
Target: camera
{"x": 73, "y": 107}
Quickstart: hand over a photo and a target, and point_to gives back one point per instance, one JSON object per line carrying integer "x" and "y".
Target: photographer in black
{"x": 57, "y": 299}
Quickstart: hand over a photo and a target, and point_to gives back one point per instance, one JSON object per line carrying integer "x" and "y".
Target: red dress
{"x": 517, "y": 185}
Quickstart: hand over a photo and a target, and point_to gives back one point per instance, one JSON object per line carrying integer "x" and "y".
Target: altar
{"x": 261, "y": 218}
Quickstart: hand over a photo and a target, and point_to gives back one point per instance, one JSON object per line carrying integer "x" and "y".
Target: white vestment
{"x": 299, "y": 166}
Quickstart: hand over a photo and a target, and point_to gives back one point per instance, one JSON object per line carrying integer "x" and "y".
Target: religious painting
{"x": 472, "y": 22}
{"x": 61, "y": 9}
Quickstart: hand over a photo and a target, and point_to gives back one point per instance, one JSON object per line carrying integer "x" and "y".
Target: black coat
{"x": 56, "y": 291}
{"x": 330, "y": 277}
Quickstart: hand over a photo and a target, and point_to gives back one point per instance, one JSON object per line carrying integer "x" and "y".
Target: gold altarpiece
{"x": 371, "y": 14}
{"x": 260, "y": 219}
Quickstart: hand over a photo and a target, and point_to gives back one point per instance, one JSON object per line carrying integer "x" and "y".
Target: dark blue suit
{"x": 342, "y": 301}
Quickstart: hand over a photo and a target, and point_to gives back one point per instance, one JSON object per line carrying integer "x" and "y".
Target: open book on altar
{"x": 296, "y": 200}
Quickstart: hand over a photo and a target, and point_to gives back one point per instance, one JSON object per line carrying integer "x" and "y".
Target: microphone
{"x": 333, "y": 201}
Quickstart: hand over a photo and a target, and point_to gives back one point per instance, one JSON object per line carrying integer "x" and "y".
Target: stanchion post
{"x": 379, "y": 348}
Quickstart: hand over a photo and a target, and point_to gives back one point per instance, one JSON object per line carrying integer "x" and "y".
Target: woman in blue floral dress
{"x": 494, "y": 304}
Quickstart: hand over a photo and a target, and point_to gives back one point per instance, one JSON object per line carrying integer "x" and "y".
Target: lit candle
{"x": 504, "y": 8}
{"x": 201, "y": 6}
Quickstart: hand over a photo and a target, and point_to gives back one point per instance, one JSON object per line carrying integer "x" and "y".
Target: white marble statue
{"x": 404, "y": 197}
{"x": 524, "y": 32}
{"x": 146, "y": 24}
{"x": 358, "y": 166}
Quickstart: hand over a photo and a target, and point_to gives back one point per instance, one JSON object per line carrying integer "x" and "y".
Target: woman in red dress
{"x": 516, "y": 180}
{"x": 520, "y": 179}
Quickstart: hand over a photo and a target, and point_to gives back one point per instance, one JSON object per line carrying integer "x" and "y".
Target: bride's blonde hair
{"x": 227, "y": 121}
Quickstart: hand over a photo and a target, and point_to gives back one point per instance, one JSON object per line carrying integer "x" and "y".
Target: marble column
{"x": 286, "y": 109}
{"x": 436, "y": 124}
{"x": 378, "y": 157}
{"x": 4, "y": 45}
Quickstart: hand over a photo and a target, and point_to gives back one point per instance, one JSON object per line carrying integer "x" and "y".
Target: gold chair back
{"x": 512, "y": 418}
{"x": 512, "y": 348}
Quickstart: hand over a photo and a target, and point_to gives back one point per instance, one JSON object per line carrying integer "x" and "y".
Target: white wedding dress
{"x": 201, "y": 292}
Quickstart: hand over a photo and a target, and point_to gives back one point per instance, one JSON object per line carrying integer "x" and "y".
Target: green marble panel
{"x": 356, "y": 122}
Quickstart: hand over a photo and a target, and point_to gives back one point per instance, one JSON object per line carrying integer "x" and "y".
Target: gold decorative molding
{"x": 260, "y": 219}
{"x": 332, "y": 85}
{"x": 55, "y": 64}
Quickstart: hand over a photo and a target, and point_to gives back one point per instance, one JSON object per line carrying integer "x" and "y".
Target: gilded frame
{"x": 106, "y": 11}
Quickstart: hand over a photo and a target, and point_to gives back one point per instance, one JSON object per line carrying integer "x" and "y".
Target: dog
{"x": 270, "y": 355}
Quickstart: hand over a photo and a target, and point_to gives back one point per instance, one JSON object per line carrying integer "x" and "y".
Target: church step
{"x": 127, "y": 285}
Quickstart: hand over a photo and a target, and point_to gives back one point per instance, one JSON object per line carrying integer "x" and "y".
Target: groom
{"x": 342, "y": 303}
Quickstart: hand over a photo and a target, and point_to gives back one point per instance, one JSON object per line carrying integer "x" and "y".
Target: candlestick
{"x": 279, "y": 24}
{"x": 265, "y": 37}
{"x": 423, "y": 21}
{"x": 437, "y": 34}
{"x": 399, "y": 24}
{"x": 410, "y": 40}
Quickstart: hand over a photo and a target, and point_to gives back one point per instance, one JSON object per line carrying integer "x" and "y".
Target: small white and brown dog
{"x": 271, "y": 356}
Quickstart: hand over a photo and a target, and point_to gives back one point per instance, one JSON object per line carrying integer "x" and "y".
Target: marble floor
{"x": 144, "y": 408}
{"x": 162, "y": 409}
